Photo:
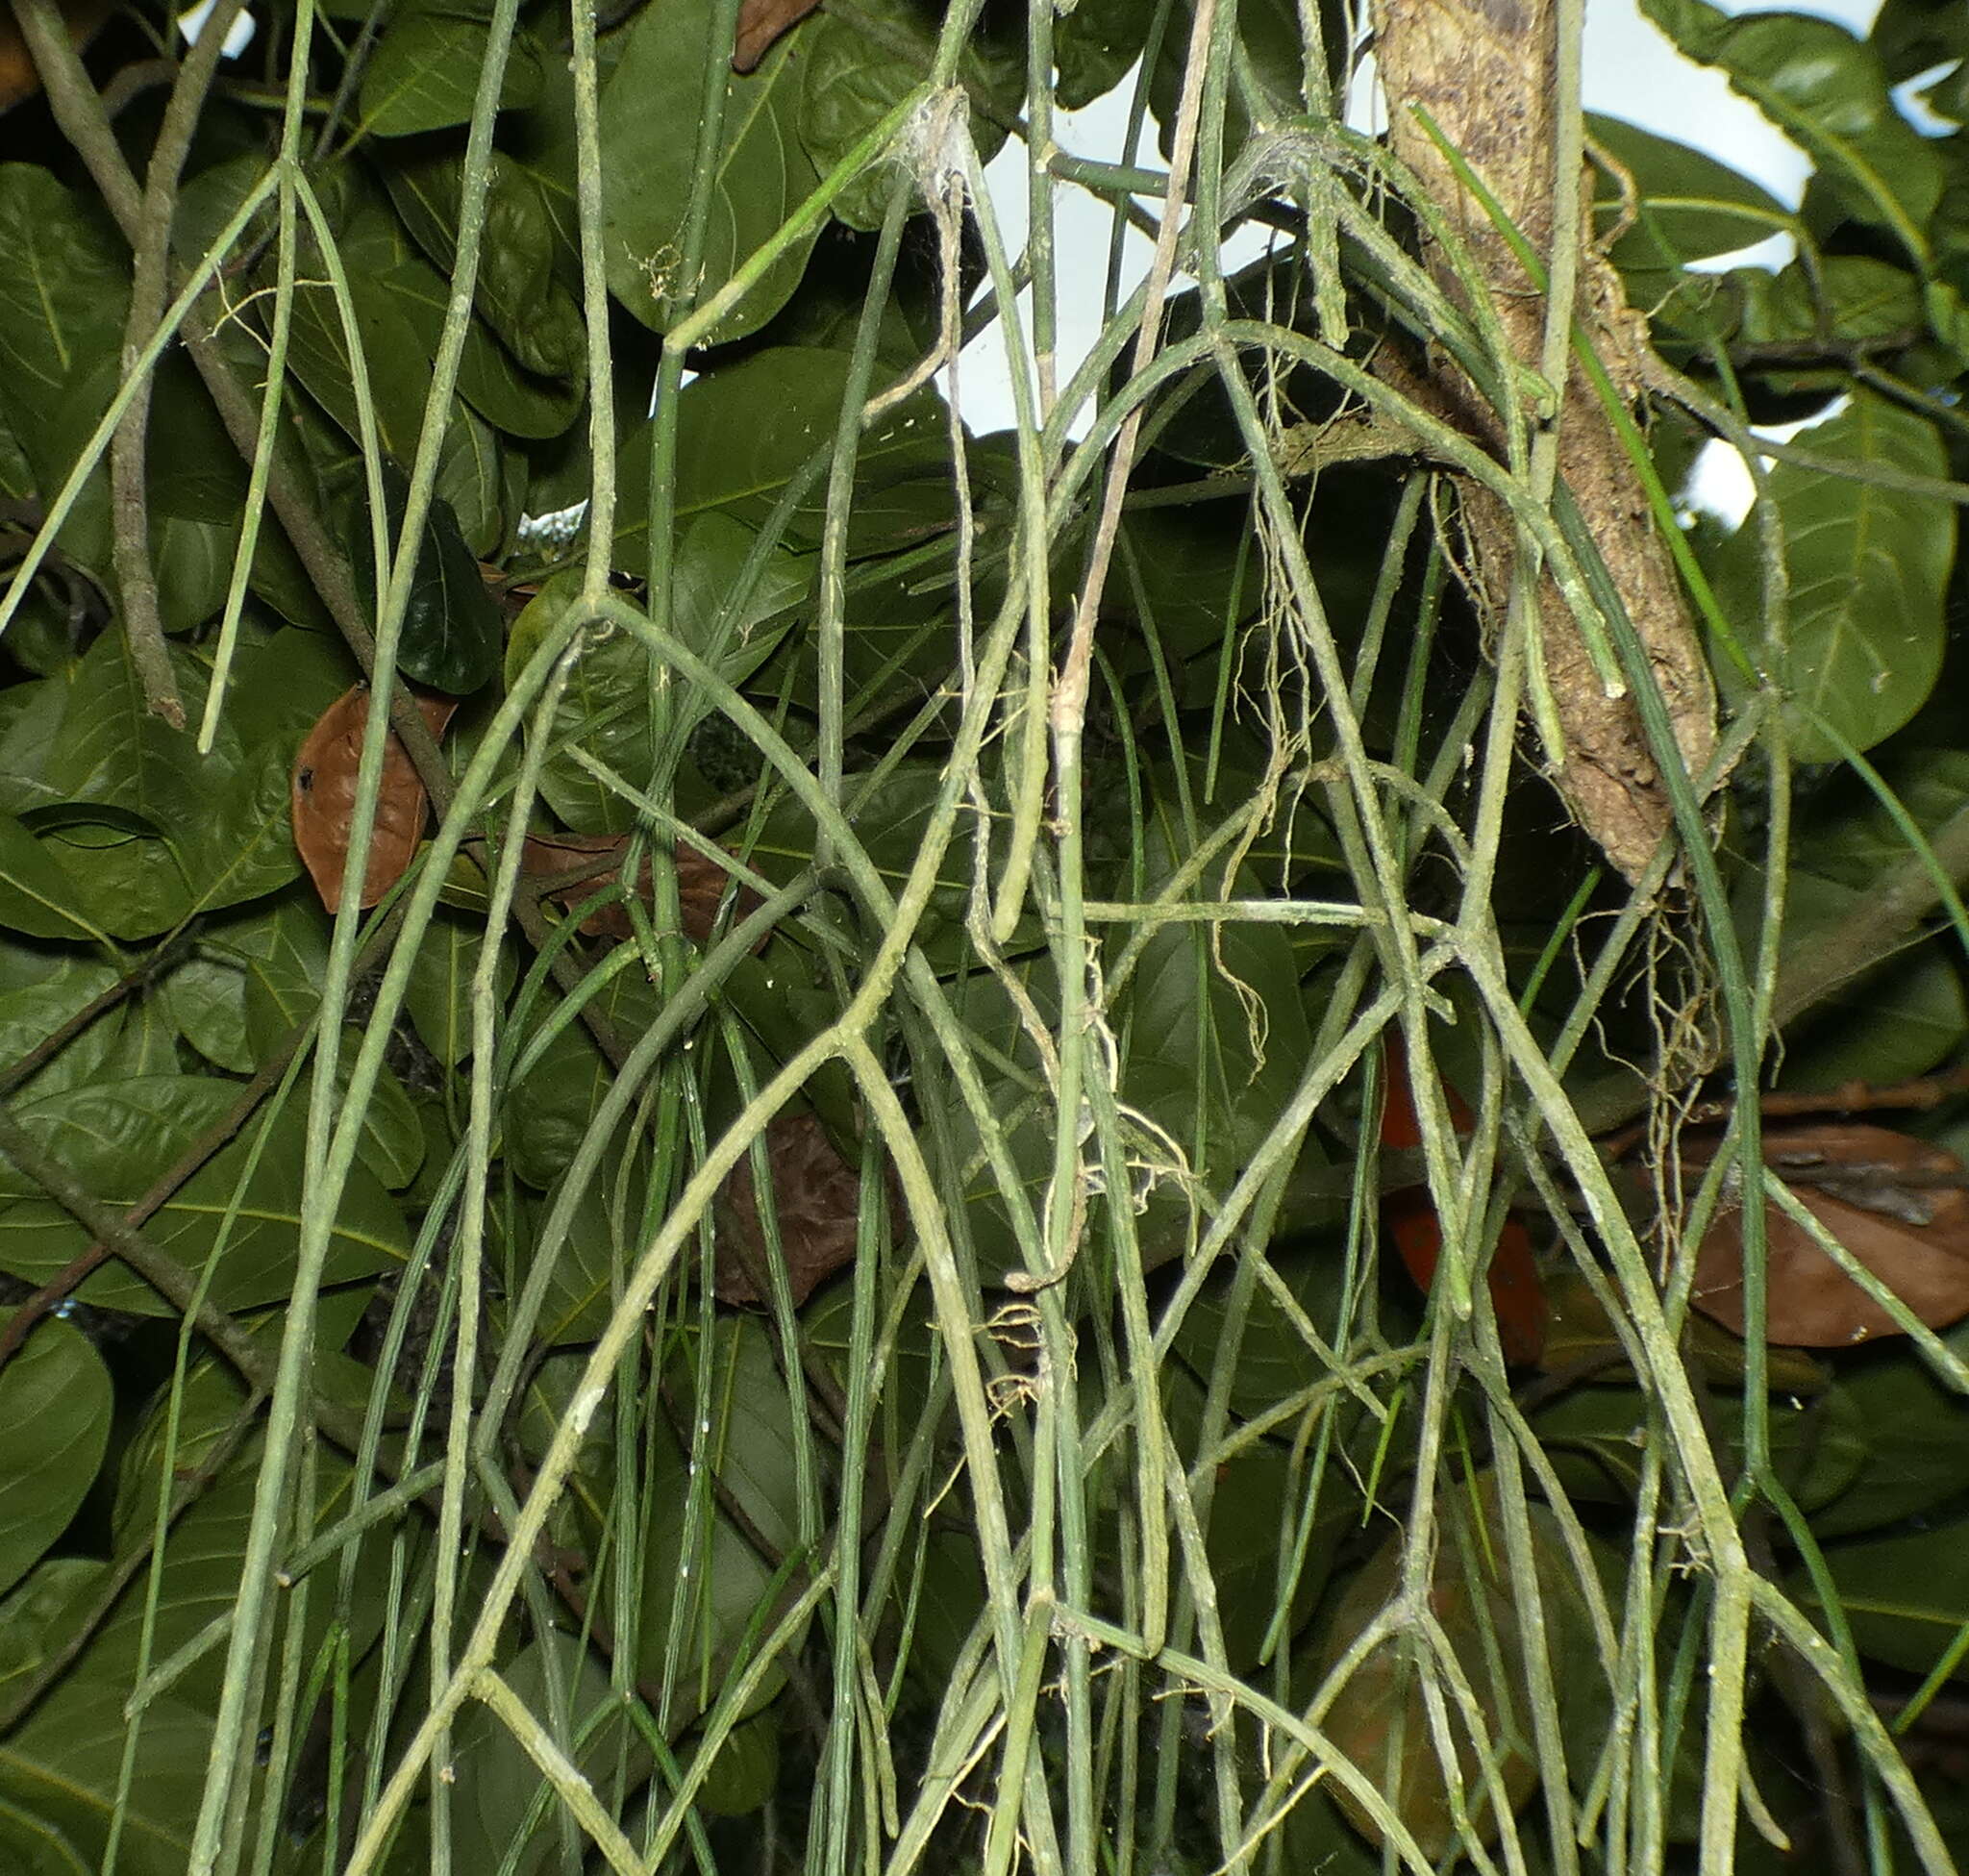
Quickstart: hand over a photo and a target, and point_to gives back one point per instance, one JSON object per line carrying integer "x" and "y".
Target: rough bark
{"x": 1483, "y": 71}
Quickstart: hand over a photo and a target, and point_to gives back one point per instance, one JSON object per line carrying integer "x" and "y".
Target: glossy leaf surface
{"x": 1868, "y": 567}
{"x": 55, "y": 1401}
{"x": 424, "y": 72}
{"x": 1829, "y": 93}
{"x": 760, "y": 170}
{"x": 451, "y": 624}
{"x": 118, "y": 1140}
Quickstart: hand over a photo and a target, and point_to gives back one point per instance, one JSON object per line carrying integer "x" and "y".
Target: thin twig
{"x": 157, "y": 965}
{"x": 164, "y": 1273}
{"x": 149, "y": 288}
{"x": 1752, "y": 355}
{"x": 219, "y": 1134}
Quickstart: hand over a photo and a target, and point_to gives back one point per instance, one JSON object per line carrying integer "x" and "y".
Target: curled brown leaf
{"x": 323, "y": 797}
{"x": 1899, "y": 1205}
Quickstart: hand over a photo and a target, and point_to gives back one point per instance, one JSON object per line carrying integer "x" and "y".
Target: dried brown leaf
{"x": 760, "y": 23}
{"x": 816, "y": 1201}
{"x": 589, "y": 862}
{"x": 1899, "y": 1205}
{"x": 324, "y": 797}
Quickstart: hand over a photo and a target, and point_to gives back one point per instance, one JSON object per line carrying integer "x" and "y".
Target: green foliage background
{"x": 389, "y": 1491}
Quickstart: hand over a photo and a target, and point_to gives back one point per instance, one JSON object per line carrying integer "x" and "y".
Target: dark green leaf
{"x": 206, "y": 998}
{"x": 205, "y": 1552}
{"x": 1685, "y": 206}
{"x": 1914, "y": 35}
{"x": 1272, "y": 63}
{"x": 745, "y": 1773}
{"x": 284, "y": 956}
{"x": 438, "y": 998}
{"x": 857, "y": 71}
{"x": 1898, "y": 1021}
{"x": 890, "y": 824}
{"x": 451, "y": 623}
{"x": 1907, "y": 1598}
{"x": 153, "y": 831}
{"x": 392, "y": 349}
{"x": 1841, "y": 298}
{"x": 492, "y": 1805}
{"x": 488, "y": 378}
{"x": 146, "y": 1045}
{"x": 1190, "y": 573}
{"x": 112, "y": 753}
{"x": 30, "y": 719}
{"x": 425, "y": 73}
{"x": 604, "y": 709}
{"x": 606, "y": 706}
{"x": 55, "y": 1403}
{"x": 392, "y": 1144}
{"x": 855, "y": 76}
{"x": 1856, "y": 842}
{"x": 744, "y": 430}
{"x": 701, "y": 1580}
{"x": 118, "y": 1140}
{"x": 30, "y": 1012}
{"x": 548, "y": 1111}
{"x": 650, "y": 108}
{"x": 1916, "y": 1433}
{"x": 135, "y": 887}
{"x": 1826, "y": 91}
{"x": 16, "y": 473}
{"x": 1902, "y": 1022}
{"x": 541, "y": 140}
{"x": 32, "y": 1846}
{"x": 1095, "y": 45}
{"x": 948, "y": 1595}
{"x": 1256, "y": 1513}
{"x": 31, "y": 1614}
{"x": 66, "y": 1763}
{"x": 1597, "y": 1437}
{"x": 594, "y": 1262}
{"x": 1868, "y": 571}
{"x": 523, "y": 289}
{"x": 64, "y": 284}
{"x": 196, "y": 481}
{"x": 37, "y": 895}
{"x": 1273, "y": 1359}
{"x": 1215, "y": 1040}
{"x": 1317, "y": 1837}
{"x": 711, "y": 554}
{"x": 400, "y": 301}
{"x": 477, "y": 475}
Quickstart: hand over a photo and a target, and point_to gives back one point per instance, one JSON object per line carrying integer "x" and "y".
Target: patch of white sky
{"x": 238, "y": 35}
{"x": 1630, "y": 70}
